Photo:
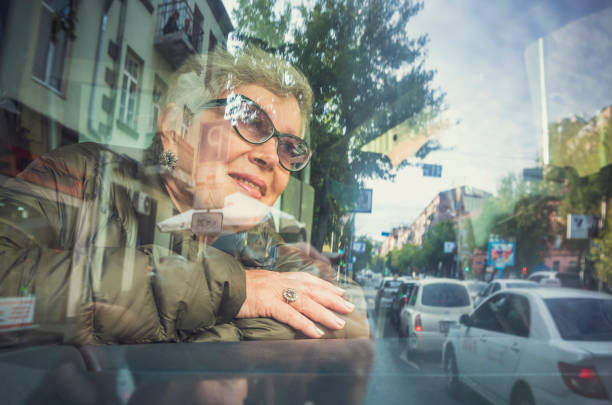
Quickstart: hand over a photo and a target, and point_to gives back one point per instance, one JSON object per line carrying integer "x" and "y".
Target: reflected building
{"x": 452, "y": 205}
{"x": 73, "y": 74}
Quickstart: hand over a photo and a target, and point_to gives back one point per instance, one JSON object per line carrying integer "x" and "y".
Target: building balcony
{"x": 178, "y": 32}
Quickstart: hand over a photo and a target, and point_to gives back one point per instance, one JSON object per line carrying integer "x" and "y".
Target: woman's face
{"x": 226, "y": 164}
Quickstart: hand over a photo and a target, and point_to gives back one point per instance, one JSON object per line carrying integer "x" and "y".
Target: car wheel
{"x": 451, "y": 372}
{"x": 522, "y": 396}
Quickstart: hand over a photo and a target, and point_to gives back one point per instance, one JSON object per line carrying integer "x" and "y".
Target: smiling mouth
{"x": 255, "y": 190}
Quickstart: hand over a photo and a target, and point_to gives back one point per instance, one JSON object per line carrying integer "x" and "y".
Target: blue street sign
{"x": 432, "y": 170}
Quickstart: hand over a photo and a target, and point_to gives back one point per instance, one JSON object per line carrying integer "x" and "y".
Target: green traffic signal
{"x": 467, "y": 269}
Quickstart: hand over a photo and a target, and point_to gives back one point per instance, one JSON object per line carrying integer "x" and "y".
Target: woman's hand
{"x": 315, "y": 299}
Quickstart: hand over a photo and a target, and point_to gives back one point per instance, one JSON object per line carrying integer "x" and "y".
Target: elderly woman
{"x": 76, "y": 241}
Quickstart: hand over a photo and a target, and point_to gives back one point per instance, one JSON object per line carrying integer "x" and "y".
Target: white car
{"x": 434, "y": 305}
{"x": 534, "y": 346}
{"x": 556, "y": 279}
{"x": 504, "y": 284}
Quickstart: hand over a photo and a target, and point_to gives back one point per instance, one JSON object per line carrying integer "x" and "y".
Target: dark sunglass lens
{"x": 293, "y": 153}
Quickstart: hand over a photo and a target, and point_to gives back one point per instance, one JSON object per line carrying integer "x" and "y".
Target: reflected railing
{"x": 175, "y": 17}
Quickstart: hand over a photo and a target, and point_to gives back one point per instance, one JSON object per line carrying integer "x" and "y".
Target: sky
{"x": 486, "y": 59}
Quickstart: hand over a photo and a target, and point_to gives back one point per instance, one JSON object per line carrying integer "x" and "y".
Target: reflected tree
{"x": 367, "y": 75}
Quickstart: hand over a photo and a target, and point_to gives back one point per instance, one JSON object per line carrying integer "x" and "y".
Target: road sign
{"x": 449, "y": 247}
{"x": 364, "y": 201}
{"x": 432, "y": 170}
{"x": 580, "y": 226}
{"x": 359, "y": 247}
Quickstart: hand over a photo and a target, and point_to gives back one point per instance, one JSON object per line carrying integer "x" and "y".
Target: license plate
{"x": 445, "y": 325}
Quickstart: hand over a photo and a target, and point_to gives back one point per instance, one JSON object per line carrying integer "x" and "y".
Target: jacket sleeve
{"x": 50, "y": 249}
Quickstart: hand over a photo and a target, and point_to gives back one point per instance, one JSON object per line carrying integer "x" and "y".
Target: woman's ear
{"x": 169, "y": 124}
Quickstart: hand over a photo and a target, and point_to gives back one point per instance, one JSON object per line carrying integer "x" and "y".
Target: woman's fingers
{"x": 287, "y": 314}
{"x": 330, "y": 300}
{"x": 318, "y": 313}
{"x": 308, "y": 280}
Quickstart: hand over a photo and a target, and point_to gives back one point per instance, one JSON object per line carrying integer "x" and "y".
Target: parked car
{"x": 384, "y": 296}
{"x": 534, "y": 346}
{"x": 497, "y": 285}
{"x": 400, "y": 298}
{"x": 556, "y": 279}
{"x": 434, "y": 305}
{"x": 475, "y": 287}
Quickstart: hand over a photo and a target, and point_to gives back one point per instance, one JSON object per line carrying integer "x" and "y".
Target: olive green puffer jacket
{"x": 78, "y": 234}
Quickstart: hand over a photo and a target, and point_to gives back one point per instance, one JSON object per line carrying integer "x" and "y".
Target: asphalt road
{"x": 398, "y": 379}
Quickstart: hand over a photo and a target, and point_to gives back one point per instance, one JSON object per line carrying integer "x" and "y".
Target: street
{"x": 397, "y": 379}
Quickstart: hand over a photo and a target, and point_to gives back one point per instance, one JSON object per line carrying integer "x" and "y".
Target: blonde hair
{"x": 206, "y": 77}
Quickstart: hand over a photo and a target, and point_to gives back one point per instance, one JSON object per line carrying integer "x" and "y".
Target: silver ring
{"x": 290, "y": 295}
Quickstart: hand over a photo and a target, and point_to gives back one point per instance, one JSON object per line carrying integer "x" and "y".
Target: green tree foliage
{"x": 429, "y": 257}
{"x": 362, "y": 260}
{"x": 367, "y": 75}
{"x": 581, "y": 152}
{"x": 522, "y": 212}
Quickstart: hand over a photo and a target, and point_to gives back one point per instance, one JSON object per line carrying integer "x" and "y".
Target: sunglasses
{"x": 254, "y": 126}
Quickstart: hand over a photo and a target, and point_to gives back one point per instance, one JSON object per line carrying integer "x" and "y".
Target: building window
{"x": 187, "y": 119}
{"x": 129, "y": 89}
{"x": 159, "y": 91}
{"x": 556, "y": 265}
{"x": 53, "y": 43}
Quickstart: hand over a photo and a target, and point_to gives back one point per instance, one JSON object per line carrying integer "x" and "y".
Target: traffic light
{"x": 524, "y": 270}
{"x": 341, "y": 261}
{"x": 467, "y": 269}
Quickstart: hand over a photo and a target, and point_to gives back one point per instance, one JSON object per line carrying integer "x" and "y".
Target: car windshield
{"x": 476, "y": 287}
{"x": 582, "y": 318}
{"x": 570, "y": 280}
{"x": 392, "y": 284}
{"x": 521, "y": 285}
{"x": 445, "y": 295}
{"x": 223, "y": 200}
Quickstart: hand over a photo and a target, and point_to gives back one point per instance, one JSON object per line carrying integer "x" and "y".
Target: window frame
{"x": 51, "y": 51}
{"x": 128, "y": 78}
{"x": 160, "y": 89}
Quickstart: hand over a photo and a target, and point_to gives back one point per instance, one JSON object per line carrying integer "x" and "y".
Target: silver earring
{"x": 167, "y": 159}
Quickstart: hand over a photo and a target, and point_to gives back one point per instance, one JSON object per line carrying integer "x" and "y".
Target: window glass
{"x": 521, "y": 285}
{"x": 476, "y": 287}
{"x": 198, "y": 172}
{"x": 570, "y": 280}
{"x": 445, "y": 295}
{"x": 52, "y": 45}
{"x": 488, "y": 315}
{"x": 582, "y": 318}
{"x": 392, "y": 284}
{"x": 413, "y": 296}
{"x": 518, "y": 319}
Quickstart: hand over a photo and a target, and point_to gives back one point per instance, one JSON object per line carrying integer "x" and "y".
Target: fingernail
{"x": 340, "y": 290}
{"x": 349, "y": 305}
{"x": 319, "y": 331}
{"x": 340, "y": 322}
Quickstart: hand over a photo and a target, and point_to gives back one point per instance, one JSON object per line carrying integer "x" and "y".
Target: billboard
{"x": 500, "y": 254}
